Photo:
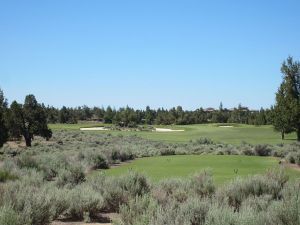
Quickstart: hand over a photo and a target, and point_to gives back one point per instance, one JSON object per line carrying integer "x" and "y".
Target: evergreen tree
{"x": 286, "y": 116}
{"x": 3, "y": 128}
{"x": 29, "y": 119}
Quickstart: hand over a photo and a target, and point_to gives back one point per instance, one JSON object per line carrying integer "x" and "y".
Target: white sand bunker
{"x": 225, "y": 126}
{"x": 94, "y": 128}
{"x": 166, "y": 130}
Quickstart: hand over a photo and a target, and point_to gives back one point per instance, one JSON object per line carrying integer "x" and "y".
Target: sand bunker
{"x": 94, "y": 128}
{"x": 166, "y": 130}
{"x": 225, "y": 126}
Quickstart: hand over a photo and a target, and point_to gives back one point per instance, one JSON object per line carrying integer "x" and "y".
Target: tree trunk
{"x": 298, "y": 135}
{"x": 27, "y": 139}
{"x": 282, "y": 135}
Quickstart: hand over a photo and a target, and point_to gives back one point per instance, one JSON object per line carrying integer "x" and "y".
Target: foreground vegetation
{"x": 54, "y": 180}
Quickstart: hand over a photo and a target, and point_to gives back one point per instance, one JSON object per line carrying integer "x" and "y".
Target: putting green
{"x": 224, "y": 168}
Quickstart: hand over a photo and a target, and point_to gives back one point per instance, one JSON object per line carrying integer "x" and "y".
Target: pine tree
{"x": 286, "y": 116}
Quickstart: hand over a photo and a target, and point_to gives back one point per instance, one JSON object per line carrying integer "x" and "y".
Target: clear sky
{"x": 159, "y": 53}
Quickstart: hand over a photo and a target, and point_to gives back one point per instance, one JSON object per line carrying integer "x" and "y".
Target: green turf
{"x": 232, "y": 135}
{"x": 223, "y": 167}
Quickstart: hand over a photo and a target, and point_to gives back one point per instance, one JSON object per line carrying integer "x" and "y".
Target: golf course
{"x": 232, "y": 134}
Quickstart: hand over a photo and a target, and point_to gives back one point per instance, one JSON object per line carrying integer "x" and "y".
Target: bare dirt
{"x": 104, "y": 219}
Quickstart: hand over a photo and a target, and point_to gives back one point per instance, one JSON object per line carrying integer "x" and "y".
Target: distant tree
{"x": 221, "y": 107}
{"x": 52, "y": 114}
{"x": 261, "y": 117}
{"x": 286, "y": 116}
{"x": 149, "y": 116}
{"x": 29, "y": 119}
{"x": 109, "y": 115}
{"x": 3, "y": 127}
{"x": 67, "y": 115}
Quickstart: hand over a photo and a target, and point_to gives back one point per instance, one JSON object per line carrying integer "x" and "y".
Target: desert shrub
{"x": 220, "y": 215}
{"x": 204, "y": 141}
{"x": 194, "y": 211}
{"x": 144, "y": 210}
{"x": 202, "y": 183}
{"x": 114, "y": 196}
{"x": 169, "y": 189}
{"x": 287, "y": 211}
{"x": 33, "y": 204}
{"x": 83, "y": 201}
{"x": 291, "y": 158}
{"x": 137, "y": 211}
{"x": 248, "y": 151}
{"x": 98, "y": 161}
{"x": 118, "y": 191}
{"x": 262, "y": 150}
{"x": 167, "y": 151}
{"x": 8, "y": 216}
{"x": 294, "y": 158}
{"x": 6, "y": 175}
{"x": 50, "y": 165}
{"x": 122, "y": 155}
{"x": 72, "y": 176}
{"x": 240, "y": 189}
{"x": 135, "y": 184}
{"x": 26, "y": 161}
{"x": 257, "y": 203}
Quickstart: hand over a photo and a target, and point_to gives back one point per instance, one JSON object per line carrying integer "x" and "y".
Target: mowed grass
{"x": 231, "y": 135}
{"x": 224, "y": 168}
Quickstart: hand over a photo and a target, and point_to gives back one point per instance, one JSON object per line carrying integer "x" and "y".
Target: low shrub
{"x": 294, "y": 158}
{"x": 83, "y": 201}
{"x": 204, "y": 141}
{"x": 27, "y": 161}
{"x": 72, "y": 176}
{"x": 8, "y": 216}
{"x": 5, "y": 175}
{"x": 262, "y": 150}
{"x": 202, "y": 183}
{"x": 98, "y": 161}
{"x": 167, "y": 151}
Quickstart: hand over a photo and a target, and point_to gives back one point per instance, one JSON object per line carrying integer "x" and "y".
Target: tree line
{"x": 31, "y": 118}
{"x": 129, "y": 117}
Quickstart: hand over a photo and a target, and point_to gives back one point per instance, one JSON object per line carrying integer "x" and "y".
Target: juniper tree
{"x": 29, "y": 119}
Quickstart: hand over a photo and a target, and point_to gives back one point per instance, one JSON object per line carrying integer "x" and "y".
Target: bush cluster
{"x": 52, "y": 181}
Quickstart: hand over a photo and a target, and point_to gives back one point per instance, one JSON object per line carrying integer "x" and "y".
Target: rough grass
{"x": 231, "y": 135}
{"x": 224, "y": 168}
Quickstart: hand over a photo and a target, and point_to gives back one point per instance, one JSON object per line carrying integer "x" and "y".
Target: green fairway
{"x": 232, "y": 135}
{"x": 224, "y": 168}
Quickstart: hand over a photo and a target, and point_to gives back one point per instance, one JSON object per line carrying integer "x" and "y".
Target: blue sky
{"x": 138, "y": 53}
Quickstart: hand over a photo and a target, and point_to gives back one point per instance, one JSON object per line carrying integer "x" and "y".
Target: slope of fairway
{"x": 231, "y": 135}
{"x": 224, "y": 168}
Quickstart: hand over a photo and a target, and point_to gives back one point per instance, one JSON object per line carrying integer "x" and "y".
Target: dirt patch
{"x": 292, "y": 166}
{"x": 16, "y": 144}
{"x": 115, "y": 165}
{"x": 77, "y": 223}
{"x": 103, "y": 219}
